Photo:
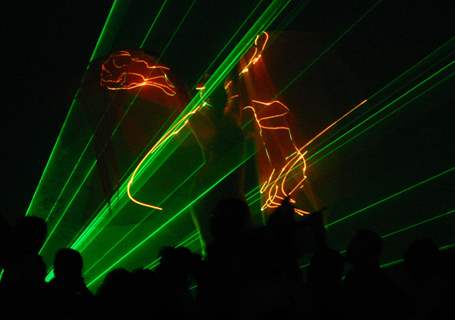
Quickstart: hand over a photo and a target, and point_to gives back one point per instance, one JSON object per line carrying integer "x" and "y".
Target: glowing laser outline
{"x": 184, "y": 121}
{"x": 268, "y": 15}
{"x": 257, "y": 54}
{"x": 120, "y": 82}
{"x": 172, "y": 132}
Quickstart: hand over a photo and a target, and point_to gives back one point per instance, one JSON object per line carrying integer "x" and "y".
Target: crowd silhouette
{"x": 248, "y": 272}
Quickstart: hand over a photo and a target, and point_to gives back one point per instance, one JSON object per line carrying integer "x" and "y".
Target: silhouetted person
{"x": 144, "y": 292}
{"x": 174, "y": 274}
{"x": 325, "y": 282}
{"x": 23, "y": 283}
{"x": 422, "y": 262}
{"x": 114, "y": 295}
{"x": 369, "y": 292}
{"x": 252, "y": 271}
{"x": 70, "y": 295}
{"x": 222, "y": 140}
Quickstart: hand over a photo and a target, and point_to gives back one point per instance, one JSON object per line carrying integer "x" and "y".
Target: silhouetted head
{"x": 116, "y": 283}
{"x": 29, "y": 234}
{"x": 230, "y": 216}
{"x": 68, "y": 264}
{"x": 422, "y": 259}
{"x": 282, "y": 217}
{"x": 176, "y": 265}
{"x": 365, "y": 248}
{"x": 326, "y": 266}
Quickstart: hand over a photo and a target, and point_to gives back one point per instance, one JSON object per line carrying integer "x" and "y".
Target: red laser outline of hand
{"x": 123, "y": 71}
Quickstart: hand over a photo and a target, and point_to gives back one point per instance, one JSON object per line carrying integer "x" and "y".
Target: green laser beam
{"x": 250, "y": 203}
{"x": 268, "y": 15}
{"x": 382, "y": 119}
{"x": 113, "y": 12}
{"x": 177, "y": 29}
{"x": 130, "y": 231}
{"x": 437, "y": 217}
{"x": 123, "y": 257}
{"x": 391, "y": 196}
{"x": 155, "y": 20}
{"x": 228, "y": 42}
{"x": 327, "y": 49}
{"x": 92, "y": 167}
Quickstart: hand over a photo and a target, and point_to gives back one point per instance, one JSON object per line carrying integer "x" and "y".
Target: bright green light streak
{"x": 92, "y": 167}
{"x": 52, "y": 156}
{"x": 95, "y": 227}
{"x": 177, "y": 29}
{"x": 373, "y": 124}
{"x": 251, "y": 192}
{"x": 443, "y": 215}
{"x": 175, "y": 216}
{"x": 50, "y": 276}
{"x": 121, "y": 120}
{"x": 330, "y": 47}
{"x": 153, "y": 24}
{"x": 113, "y": 12}
{"x": 273, "y": 10}
{"x": 130, "y": 231}
{"x": 251, "y": 200}
{"x": 401, "y": 230}
{"x": 390, "y": 197}
{"x": 229, "y": 41}
{"x": 387, "y": 106}
{"x": 89, "y": 172}
{"x": 63, "y": 214}
{"x": 110, "y": 210}
{"x": 127, "y": 110}
{"x": 448, "y": 44}
{"x": 255, "y": 191}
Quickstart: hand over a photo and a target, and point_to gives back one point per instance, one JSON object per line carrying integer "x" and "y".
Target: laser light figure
{"x": 125, "y": 70}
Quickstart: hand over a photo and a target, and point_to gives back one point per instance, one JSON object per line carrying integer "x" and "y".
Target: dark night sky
{"x": 45, "y": 50}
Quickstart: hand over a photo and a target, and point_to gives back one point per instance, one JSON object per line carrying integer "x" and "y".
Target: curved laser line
{"x": 172, "y": 132}
{"x": 76, "y": 243}
{"x": 388, "y": 105}
{"x": 79, "y": 238}
{"x": 171, "y": 219}
{"x": 272, "y": 11}
{"x": 120, "y": 121}
{"x": 405, "y": 73}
